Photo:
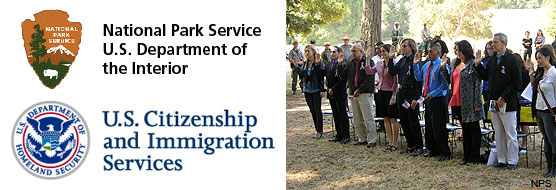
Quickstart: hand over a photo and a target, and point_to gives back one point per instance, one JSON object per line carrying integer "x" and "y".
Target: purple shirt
{"x": 386, "y": 82}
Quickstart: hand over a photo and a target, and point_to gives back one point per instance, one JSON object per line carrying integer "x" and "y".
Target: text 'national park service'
{"x": 134, "y": 46}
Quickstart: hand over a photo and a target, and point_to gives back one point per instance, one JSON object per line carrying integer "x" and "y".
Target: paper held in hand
{"x": 528, "y": 93}
{"x": 495, "y": 108}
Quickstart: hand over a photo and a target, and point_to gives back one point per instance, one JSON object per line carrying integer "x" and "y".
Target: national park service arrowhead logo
{"x": 51, "y": 44}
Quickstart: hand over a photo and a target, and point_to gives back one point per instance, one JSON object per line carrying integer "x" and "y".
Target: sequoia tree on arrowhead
{"x": 37, "y": 43}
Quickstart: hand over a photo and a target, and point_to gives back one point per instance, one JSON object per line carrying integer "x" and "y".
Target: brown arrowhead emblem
{"x": 51, "y": 44}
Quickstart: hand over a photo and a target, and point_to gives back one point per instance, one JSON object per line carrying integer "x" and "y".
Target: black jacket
{"x": 317, "y": 75}
{"x": 524, "y": 79}
{"x": 535, "y": 86}
{"x": 334, "y": 82}
{"x": 504, "y": 79}
{"x": 411, "y": 89}
{"x": 365, "y": 83}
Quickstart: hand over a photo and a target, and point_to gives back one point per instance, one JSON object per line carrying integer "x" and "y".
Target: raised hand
{"x": 444, "y": 60}
{"x": 341, "y": 58}
{"x": 478, "y": 57}
{"x": 392, "y": 52}
{"x": 529, "y": 67}
{"x": 417, "y": 57}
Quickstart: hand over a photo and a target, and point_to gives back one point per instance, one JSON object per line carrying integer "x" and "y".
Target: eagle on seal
{"x": 49, "y": 137}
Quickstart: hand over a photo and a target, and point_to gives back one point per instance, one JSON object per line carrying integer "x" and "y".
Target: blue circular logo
{"x": 50, "y": 140}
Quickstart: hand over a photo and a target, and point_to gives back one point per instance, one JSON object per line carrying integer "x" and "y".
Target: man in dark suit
{"x": 337, "y": 95}
{"x": 503, "y": 73}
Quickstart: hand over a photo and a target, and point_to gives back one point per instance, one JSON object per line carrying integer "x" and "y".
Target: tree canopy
{"x": 550, "y": 22}
{"x": 453, "y": 18}
{"x": 517, "y": 4}
{"x": 302, "y": 16}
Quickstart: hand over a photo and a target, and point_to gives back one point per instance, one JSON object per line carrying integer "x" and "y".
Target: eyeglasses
{"x": 333, "y": 52}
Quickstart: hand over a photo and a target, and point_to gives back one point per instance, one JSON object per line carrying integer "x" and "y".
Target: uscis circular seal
{"x": 50, "y": 140}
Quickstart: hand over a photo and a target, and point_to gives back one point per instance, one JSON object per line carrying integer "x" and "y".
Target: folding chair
{"x": 525, "y": 135}
{"x": 329, "y": 113}
{"x": 379, "y": 121}
{"x": 452, "y": 129}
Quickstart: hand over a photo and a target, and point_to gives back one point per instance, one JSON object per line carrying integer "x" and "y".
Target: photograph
{"x": 420, "y": 94}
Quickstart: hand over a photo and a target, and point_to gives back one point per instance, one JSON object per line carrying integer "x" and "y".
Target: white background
{"x": 253, "y": 84}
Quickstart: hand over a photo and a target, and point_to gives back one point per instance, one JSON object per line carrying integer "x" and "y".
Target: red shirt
{"x": 456, "y": 96}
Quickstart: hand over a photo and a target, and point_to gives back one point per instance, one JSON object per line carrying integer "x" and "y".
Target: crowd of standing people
{"x": 476, "y": 84}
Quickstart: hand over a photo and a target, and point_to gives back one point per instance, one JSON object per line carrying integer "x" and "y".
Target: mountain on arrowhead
{"x": 56, "y": 54}
{"x": 61, "y": 49}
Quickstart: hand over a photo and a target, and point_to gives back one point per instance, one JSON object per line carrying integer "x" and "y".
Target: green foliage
{"x": 517, "y": 4}
{"x": 302, "y": 16}
{"x": 349, "y": 25}
{"x": 550, "y": 24}
{"x": 394, "y": 11}
{"x": 452, "y": 18}
{"x": 61, "y": 68}
{"x": 37, "y": 43}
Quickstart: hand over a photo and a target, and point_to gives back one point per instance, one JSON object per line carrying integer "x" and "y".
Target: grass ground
{"x": 319, "y": 164}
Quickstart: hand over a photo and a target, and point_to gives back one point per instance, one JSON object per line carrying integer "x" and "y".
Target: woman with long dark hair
{"x": 489, "y": 52}
{"x": 466, "y": 101}
{"x": 313, "y": 85}
{"x": 524, "y": 82}
{"x": 539, "y": 40}
{"x": 386, "y": 101}
{"x": 544, "y": 101}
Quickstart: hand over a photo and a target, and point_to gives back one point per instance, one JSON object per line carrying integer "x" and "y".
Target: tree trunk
{"x": 370, "y": 27}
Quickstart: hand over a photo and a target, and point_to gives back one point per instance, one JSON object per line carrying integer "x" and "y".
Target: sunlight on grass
{"x": 354, "y": 181}
{"x": 301, "y": 176}
{"x": 296, "y": 109}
